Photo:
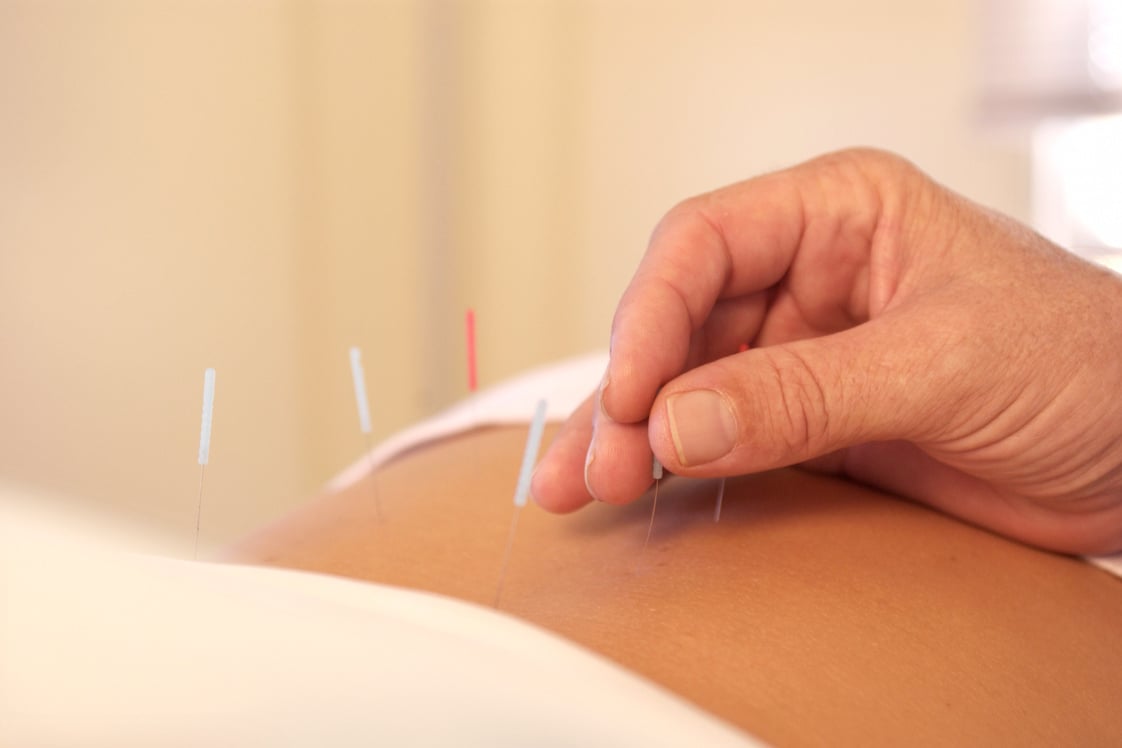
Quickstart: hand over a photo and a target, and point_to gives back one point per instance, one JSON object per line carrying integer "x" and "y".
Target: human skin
{"x": 816, "y": 612}
{"x": 899, "y": 335}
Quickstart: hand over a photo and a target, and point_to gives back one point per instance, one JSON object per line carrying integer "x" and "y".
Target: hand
{"x": 898, "y": 334}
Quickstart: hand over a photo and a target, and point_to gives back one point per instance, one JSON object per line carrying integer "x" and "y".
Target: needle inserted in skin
{"x": 358, "y": 374}
{"x": 204, "y": 446}
{"x": 656, "y": 473}
{"x": 522, "y": 492}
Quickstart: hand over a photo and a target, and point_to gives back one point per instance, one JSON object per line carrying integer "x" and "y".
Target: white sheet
{"x": 563, "y": 385}
{"x": 102, "y": 648}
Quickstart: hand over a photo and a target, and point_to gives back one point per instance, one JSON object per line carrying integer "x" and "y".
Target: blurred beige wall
{"x": 149, "y": 227}
{"x": 256, "y": 186}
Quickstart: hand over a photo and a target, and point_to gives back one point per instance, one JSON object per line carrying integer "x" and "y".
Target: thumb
{"x": 784, "y": 404}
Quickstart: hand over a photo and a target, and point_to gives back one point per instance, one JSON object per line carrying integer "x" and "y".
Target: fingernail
{"x": 702, "y": 426}
{"x": 600, "y": 395}
{"x": 587, "y": 464}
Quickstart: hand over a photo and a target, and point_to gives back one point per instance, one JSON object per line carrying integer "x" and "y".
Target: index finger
{"x": 737, "y": 240}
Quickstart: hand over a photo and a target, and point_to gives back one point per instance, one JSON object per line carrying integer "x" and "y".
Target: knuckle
{"x": 799, "y": 417}
{"x": 871, "y": 166}
{"x": 875, "y": 159}
{"x": 688, "y": 213}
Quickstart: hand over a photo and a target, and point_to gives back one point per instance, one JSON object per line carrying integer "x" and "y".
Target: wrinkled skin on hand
{"x": 899, "y": 335}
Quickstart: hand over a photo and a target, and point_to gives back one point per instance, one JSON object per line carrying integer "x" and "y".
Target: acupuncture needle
{"x": 469, "y": 330}
{"x": 472, "y": 379}
{"x": 656, "y": 473}
{"x": 522, "y": 491}
{"x": 358, "y": 374}
{"x": 204, "y": 446}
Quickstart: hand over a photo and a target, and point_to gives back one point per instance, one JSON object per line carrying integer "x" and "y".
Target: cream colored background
{"x": 256, "y": 186}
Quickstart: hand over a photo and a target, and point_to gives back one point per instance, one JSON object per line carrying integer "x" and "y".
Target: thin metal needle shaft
{"x": 720, "y": 498}
{"x": 522, "y": 491}
{"x": 362, "y": 404}
{"x": 199, "y": 509}
{"x": 656, "y": 473}
{"x": 506, "y": 555}
{"x": 204, "y": 445}
{"x": 374, "y": 478}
